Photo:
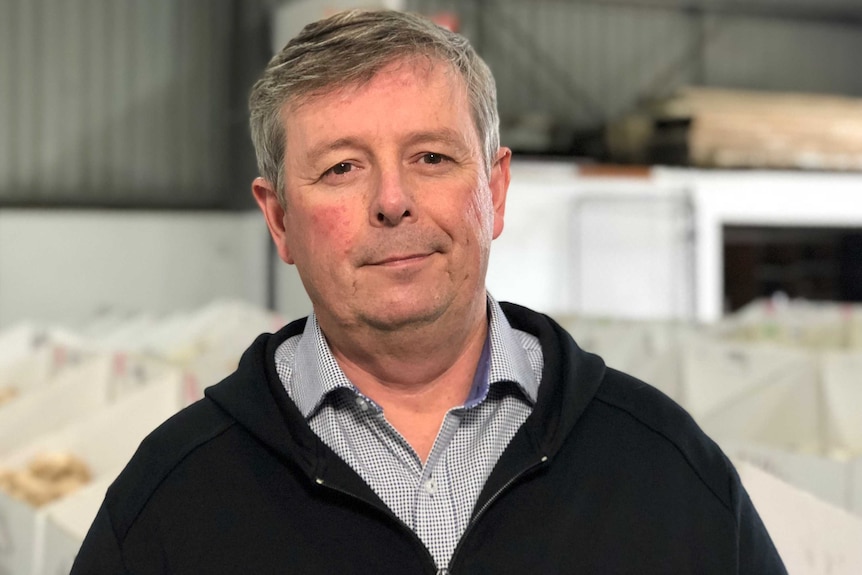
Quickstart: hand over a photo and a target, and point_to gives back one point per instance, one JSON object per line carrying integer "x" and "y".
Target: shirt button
{"x": 362, "y": 404}
{"x": 430, "y": 487}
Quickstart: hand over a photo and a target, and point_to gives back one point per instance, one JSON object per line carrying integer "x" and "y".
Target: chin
{"x": 403, "y": 315}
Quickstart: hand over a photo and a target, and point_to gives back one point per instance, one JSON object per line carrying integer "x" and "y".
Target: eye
{"x": 433, "y": 158}
{"x": 339, "y": 169}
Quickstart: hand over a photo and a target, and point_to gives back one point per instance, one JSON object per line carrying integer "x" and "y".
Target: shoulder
{"x": 158, "y": 456}
{"x": 657, "y": 416}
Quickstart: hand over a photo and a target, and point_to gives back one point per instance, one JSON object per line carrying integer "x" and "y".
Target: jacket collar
{"x": 570, "y": 378}
{"x": 255, "y": 397}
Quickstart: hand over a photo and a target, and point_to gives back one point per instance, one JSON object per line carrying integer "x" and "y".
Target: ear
{"x": 273, "y": 213}
{"x": 499, "y": 184}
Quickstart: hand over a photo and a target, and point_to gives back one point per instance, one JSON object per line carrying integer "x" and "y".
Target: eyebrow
{"x": 314, "y": 154}
{"x": 444, "y": 135}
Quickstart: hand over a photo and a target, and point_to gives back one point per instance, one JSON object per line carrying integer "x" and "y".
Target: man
{"x": 412, "y": 424}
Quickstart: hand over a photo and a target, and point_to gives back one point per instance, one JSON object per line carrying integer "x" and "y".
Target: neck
{"x": 412, "y": 358}
{"x": 415, "y": 374}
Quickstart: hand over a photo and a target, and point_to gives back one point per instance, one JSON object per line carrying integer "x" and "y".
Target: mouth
{"x": 400, "y": 259}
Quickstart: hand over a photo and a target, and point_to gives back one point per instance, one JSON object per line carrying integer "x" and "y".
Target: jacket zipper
{"x": 487, "y": 504}
{"x": 386, "y": 511}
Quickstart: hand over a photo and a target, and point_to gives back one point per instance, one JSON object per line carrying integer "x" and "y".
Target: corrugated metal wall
{"x": 587, "y": 61}
{"x": 106, "y": 102}
{"x": 583, "y": 62}
{"x": 775, "y": 54}
{"x": 142, "y": 102}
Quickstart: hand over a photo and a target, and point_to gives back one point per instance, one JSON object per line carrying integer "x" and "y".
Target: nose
{"x": 393, "y": 201}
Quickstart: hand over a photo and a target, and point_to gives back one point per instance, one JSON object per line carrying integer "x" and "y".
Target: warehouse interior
{"x": 686, "y": 199}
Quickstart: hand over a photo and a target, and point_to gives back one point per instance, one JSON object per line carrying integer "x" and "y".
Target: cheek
{"x": 331, "y": 229}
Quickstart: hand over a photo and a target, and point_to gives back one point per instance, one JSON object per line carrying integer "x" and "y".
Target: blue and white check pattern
{"x": 435, "y": 499}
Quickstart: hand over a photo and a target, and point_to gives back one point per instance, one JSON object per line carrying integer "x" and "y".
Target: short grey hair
{"x": 348, "y": 49}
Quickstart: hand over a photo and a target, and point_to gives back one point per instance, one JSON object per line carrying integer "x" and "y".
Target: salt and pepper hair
{"x": 348, "y": 49}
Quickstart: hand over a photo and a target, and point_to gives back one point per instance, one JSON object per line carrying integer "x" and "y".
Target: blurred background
{"x": 125, "y": 159}
{"x": 686, "y": 199}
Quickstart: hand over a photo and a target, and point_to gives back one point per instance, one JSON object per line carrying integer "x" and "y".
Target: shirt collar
{"x": 509, "y": 361}
{"x": 316, "y": 373}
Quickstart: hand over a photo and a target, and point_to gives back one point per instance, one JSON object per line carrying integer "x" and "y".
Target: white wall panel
{"x": 61, "y": 266}
{"x": 615, "y": 247}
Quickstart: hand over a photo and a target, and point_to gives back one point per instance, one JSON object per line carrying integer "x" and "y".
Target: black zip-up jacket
{"x": 606, "y": 476}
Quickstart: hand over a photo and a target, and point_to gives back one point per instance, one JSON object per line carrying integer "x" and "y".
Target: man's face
{"x": 389, "y": 212}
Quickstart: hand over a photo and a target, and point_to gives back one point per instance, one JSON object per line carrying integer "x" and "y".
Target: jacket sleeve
{"x": 100, "y": 553}
{"x": 757, "y": 553}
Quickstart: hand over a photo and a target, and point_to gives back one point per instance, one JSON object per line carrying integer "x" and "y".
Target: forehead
{"x": 418, "y": 72}
{"x": 405, "y": 103}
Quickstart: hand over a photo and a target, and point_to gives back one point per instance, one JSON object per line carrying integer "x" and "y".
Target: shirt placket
{"x": 434, "y": 520}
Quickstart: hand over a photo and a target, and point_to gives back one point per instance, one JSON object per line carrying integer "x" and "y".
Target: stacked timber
{"x": 722, "y": 128}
